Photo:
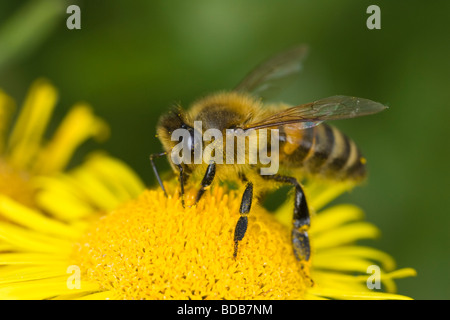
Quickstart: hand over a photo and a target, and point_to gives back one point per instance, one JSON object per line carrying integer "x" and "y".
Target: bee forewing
{"x": 274, "y": 73}
{"x": 338, "y": 107}
{"x": 311, "y": 114}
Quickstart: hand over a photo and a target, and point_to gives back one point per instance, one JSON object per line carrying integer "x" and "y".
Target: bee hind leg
{"x": 300, "y": 220}
{"x": 241, "y": 226}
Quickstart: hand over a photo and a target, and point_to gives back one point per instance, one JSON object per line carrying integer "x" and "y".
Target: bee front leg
{"x": 153, "y": 156}
{"x": 241, "y": 226}
{"x": 207, "y": 180}
{"x": 181, "y": 183}
{"x": 300, "y": 220}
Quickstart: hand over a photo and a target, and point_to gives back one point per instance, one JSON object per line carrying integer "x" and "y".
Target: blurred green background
{"x": 132, "y": 60}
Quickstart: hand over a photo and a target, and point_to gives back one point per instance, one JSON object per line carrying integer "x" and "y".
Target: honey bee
{"x": 306, "y": 146}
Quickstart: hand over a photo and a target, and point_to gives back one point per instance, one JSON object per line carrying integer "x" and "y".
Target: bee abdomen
{"x": 324, "y": 150}
{"x": 324, "y": 143}
{"x": 345, "y": 161}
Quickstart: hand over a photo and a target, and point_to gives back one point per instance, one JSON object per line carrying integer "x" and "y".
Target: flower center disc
{"x": 153, "y": 248}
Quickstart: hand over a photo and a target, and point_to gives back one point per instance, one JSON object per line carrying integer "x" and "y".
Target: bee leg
{"x": 157, "y": 155}
{"x": 207, "y": 180}
{"x": 242, "y": 177}
{"x": 300, "y": 220}
{"x": 241, "y": 226}
{"x": 181, "y": 183}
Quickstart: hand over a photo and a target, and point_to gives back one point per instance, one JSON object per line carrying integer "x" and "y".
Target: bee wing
{"x": 311, "y": 114}
{"x": 274, "y": 73}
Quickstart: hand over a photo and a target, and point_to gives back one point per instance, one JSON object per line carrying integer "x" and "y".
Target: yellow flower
{"x": 86, "y": 234}
{"x": 153, "y": 248}
{"x": 24, "y": 155}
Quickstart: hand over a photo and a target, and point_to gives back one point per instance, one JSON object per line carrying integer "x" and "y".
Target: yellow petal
{"x": 30, "y": 241}
{"x": 348, "y": 265}
{"x": 31, "y": 258}
{"x": 106, "y": 295}
{"x": 343, "y": 252}
{"x": 402, "y": 273}
{"x": 117, "y": 174}
{"x": 335, "y": 216}
{"x": 388, "y": 278}
{"x": 352, "y": 295}
{"x": 42, "y": 289}
{"x": 34, "y": 220}
{"x": 321, "y": 192}
{"x": 27, "y": 134}
{"x": 97, "y": 193}
{"x": 5, "y": 247}
{"x": 13, "y": 274}
{"x": 79, "y": 125}
{"x": 345, "y": 235}
{"x": 62, "y": 205}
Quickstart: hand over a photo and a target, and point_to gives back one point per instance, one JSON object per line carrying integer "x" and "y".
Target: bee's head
{"x": 178, "y": 138}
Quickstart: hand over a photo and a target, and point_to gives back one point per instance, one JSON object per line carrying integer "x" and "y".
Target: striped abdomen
{"x": 321, "y": 150}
